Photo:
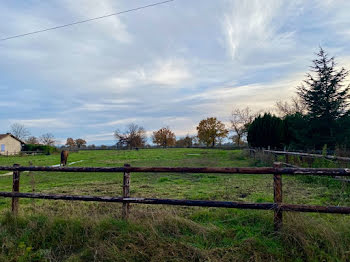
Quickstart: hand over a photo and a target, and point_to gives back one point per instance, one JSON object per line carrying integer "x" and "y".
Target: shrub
{"x": 266, "y": 130}
{"x": 47, "y": 150}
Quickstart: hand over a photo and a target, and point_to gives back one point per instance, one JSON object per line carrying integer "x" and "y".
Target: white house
{"x": 10, "y": 145}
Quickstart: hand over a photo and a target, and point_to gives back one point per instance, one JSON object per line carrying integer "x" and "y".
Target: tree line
{"x": 47, "y": 139}
{"x": 317, "y": 117}
{"x": 75, "y": 143}
{"x": 210, "y": 132}
{"x": 23, "y": 134}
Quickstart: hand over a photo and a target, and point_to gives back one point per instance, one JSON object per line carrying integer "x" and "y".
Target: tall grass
{"x": 174, "y": 235}
{"x": 75, "y": 231}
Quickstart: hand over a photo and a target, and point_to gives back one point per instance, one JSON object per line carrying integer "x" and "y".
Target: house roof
{"x": 9, "y": 134}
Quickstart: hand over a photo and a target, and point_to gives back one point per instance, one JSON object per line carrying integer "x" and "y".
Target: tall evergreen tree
{"x": 323, "y": 92}
{"x": 326, "y": 98}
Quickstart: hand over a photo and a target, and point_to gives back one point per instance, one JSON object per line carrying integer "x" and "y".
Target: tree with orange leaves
{"x": 209, "y": 130}
{"x": 164, "y": 137}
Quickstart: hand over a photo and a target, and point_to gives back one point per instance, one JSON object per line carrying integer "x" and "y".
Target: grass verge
{"x": 75, "y": 231}
{"x": 171, "y": 235}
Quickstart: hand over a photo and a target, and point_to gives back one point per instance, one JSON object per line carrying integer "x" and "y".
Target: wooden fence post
{"x": 277, "y": 197}
{"x": 15, "y": 189}
{"x": 126, "y": 192}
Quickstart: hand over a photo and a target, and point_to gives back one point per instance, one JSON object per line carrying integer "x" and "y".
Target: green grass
{"x": 76, "y": 231}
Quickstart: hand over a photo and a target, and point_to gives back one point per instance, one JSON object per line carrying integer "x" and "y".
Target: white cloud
{"x": 43, "y": 123}
{"x": 163, "y": 72}
{"x": 111, "y": 26}
{"x": 93, "y": 138}
{"x": 171, "y": 72}
{"x": 117, "y": 122}
{"x": 219, "y": 101}
{"x": 96, "y": 107}
{"x": 254, "y": 26}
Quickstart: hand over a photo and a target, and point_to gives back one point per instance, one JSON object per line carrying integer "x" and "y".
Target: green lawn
{"x": 187, "y": 233}
{"x": 254, "y": 188}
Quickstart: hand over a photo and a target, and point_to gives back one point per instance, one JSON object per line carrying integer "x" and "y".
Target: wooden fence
{"x": 277, "y": 171}
{"x": 18, "y": 153}
{"x": 275, "y": 153}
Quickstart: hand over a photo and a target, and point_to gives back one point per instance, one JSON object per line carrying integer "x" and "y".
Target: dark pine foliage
{"x": 296, "y": 131}
{"x": 266, "y": 130}
{"x": 343, "y": 131}
{"x": 327, "y": 100}
{"x": 323, "y": 91}
{"x": 327, "y": 120}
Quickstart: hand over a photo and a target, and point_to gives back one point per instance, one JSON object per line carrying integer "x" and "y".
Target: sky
{"x": 168, "y": 65}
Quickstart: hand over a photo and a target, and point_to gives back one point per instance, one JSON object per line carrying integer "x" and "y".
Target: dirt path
{"x": 11, "y": 173}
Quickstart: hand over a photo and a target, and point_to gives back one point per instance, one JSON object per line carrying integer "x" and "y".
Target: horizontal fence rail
{"x": 219, "y": 170}
{"x": 277, "y": 171}
{"x": 183, "y": 202}
{"x": 335, "y": 158}
{"x": 308, "y": 155}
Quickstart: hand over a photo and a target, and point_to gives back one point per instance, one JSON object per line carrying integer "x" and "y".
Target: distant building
{"x": 10, "y": 145}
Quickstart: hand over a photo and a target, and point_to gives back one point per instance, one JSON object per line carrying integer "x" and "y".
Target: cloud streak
{"x": 170, "y": 65}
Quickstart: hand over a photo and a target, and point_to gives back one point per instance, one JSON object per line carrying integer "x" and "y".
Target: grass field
{"x": 75, "y": 231}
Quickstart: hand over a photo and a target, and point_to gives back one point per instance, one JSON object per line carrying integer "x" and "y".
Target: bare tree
{"x": 47, "y": 139}
{"x": 19, "y": 131}
{"x": 296, "y": 105}
{"x": 133, "y": 136}
{"x": 240, "y": 121}
{"x": 32, "y": 140}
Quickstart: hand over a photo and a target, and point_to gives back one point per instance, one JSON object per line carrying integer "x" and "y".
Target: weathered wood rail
{"x": 277, "y": 171}
{"x": 308, "y": 155}
{"x": 222, "y": 170}
{"x": 299, "y": 154}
